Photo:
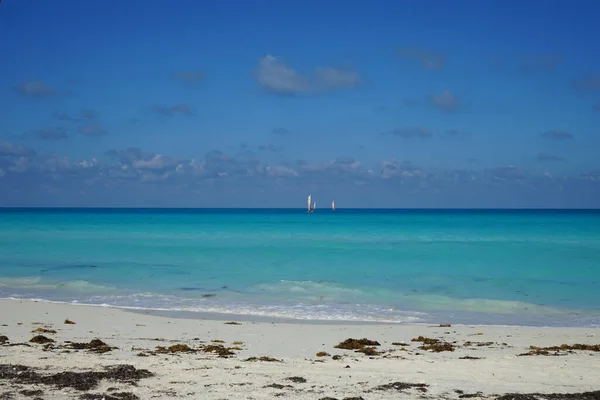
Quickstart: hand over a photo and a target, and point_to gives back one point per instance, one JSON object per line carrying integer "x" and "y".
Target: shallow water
{"x": 464, "y": 266}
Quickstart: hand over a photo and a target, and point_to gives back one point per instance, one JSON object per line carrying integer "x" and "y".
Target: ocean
{"x": 506, "y": 267}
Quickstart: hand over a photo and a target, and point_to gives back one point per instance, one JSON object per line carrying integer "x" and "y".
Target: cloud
{"x": 540, "y": 62}
{"x": 277, "y": 77}
{"x": 37, "y": 89}
{"x": 588, "y": 81}
{"x": 272, "y": 148}
{"x": 445, "y": 101}
{"x": 429, "y": 60}
{"x": 49, "y": 134}
{"x": 507, "y": 172}
{"x": 410, "y": 132}
{"x": 557, "y": 135}
{"x": 13, "y": 150}
{"x": 545, "y": 157}
{"x": 399, "y": 169}
{"x": 142, "y": 177}
{"x": 188, "y": 77}
{"x": 92, "y": 129}
{"x": 169, "y": 111}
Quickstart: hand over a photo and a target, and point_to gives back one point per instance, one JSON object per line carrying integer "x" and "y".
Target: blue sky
{"x": 235, "y": 103}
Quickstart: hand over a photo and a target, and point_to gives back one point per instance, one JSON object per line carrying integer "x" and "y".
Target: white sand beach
{"x": 492, "y": 367}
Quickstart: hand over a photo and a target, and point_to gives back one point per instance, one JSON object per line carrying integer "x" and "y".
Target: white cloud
{"x": 277, "y": 77}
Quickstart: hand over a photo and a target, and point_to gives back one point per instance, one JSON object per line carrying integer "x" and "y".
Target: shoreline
{"x": 224, "y": 316}
{"x": 234, "y": 358}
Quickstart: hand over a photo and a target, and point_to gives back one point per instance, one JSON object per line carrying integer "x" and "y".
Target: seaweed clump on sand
{"x": 111, "y": 396}
{"x": 561, "y": 350}
{"x": 176, "y": 348}
{"x": 31, "y": 393}
{"x": 263, "y": 358}
{"x": 296, "y": 379}
{"x": 434, "y": 345}
{"x": 69, "y": 322}
{"x": 94, "y": 346}
{"x": 76, "y": 380}
{"x": 364, "y": 345}
{"x": 43, "y": 330}
{"x": 595, "y": 395}
{"x": 322, "y": 354}
{"x": 220, "y": 350}
{"x": 356, "y": 344}
{"x": 3, "y": 339}
{"x": 400, "y": 386}
{"x": 41, "y": 339}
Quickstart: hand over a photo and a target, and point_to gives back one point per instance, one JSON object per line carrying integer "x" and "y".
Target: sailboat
{"x": 332, "y": 205}
{"x": 309, "y": 203}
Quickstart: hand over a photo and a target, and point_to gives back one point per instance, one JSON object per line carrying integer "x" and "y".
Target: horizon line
{"x": 301, "y": 208}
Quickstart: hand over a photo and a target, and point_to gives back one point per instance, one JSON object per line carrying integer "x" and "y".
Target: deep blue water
{"x": 539, "y": 267}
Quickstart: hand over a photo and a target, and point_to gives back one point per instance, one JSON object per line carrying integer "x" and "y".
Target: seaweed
{"x": 222, "y": 351}
{"x": 296, "y": 379}
{"x": 43, "y": 330}
{"x": 595, "y": 395}
{"x": 470, "y": 395}
{"x": 3, "y": 339}
{"x": 31, "y": 393}
{"x": 278, "y": 386}
{"x": 111, "y": 396}
{"x": 232, "y": 323}
{"x": 435, "y": 345}
{"x": 563, "y": 349}
{"x": 356, "y": 344}
{"x": 94, "y": 346}
{"x": 469, "y": 358}
{"x": 322, "y": 354}
{"x": 400, "y": 386}
{"x": 468, "y": 343}
{"x": 69, "y": 322}
{"x": 41, "y": 339}
{"x": 77, "y": 380}
{"x": 176, "y": 348}
{"x": 400, "y": 344}
{"x": 370, "y": 351}
{"x": 263, "y": 358}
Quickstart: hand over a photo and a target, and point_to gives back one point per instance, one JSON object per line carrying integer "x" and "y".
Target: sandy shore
{"x": 223, "y": 360}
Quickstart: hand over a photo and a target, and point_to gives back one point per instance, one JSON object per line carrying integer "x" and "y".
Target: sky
{"x": 227, "y": 103}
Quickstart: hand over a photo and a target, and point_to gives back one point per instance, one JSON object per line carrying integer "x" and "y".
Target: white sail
{"x": 309, "y": 201}
{"x": 314, "y": 206}
{"x": 333, "y": 204}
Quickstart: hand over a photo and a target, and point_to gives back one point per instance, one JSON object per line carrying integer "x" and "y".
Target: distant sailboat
{"x": 314, "y": 206}
{"x": 309, "y": 202}
{"x": 333, "y": 205}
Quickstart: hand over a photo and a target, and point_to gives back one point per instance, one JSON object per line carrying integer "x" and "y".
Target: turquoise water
{"x": 467, "y": 266}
